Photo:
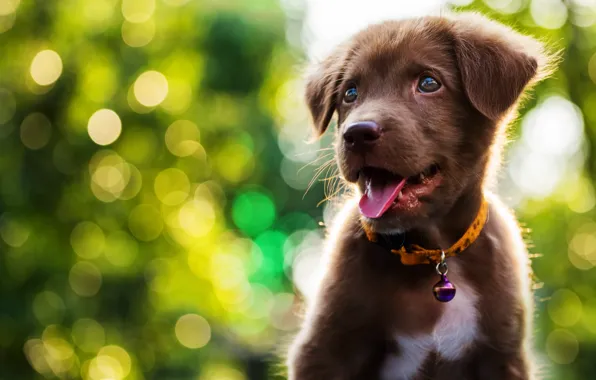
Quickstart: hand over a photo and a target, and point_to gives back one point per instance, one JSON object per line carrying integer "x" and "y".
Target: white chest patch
{"x": 454, "y": 333}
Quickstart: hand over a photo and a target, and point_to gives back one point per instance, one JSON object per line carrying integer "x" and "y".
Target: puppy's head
{"x": 419, "y": 103}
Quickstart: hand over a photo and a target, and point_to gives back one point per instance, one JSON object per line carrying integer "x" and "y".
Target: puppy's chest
{"x": 452, "y": 335}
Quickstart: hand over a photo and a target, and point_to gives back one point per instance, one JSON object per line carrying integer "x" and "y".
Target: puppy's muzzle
{"x": 361, "y": 135}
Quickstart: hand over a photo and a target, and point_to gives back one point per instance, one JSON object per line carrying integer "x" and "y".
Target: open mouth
{"x": 384, "y": 190}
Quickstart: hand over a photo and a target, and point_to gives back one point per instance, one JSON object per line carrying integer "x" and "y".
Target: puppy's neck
{"x": 443, "y": 232}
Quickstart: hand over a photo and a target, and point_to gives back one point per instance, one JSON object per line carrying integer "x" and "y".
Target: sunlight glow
{"x": 151, "y": 88}
{"x": 549, "y": 14}
{"x": 46, "y": 67}
{"x": 104, "y": 127}
{"x": 323, "y": 32}
{"x": 550, "y": 147}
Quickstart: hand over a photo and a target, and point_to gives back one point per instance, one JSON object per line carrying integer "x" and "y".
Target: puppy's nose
{"x": 361, "y": 134}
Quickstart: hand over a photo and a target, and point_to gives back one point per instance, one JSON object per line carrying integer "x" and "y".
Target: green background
{"x": 155, "y": 239}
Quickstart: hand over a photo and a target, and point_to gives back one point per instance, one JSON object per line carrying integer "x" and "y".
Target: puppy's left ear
{"x": 496, "y": 63}
{"x": 321, "y": 88}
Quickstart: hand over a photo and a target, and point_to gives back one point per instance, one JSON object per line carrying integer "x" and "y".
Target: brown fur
{"x": 367, "y": 296}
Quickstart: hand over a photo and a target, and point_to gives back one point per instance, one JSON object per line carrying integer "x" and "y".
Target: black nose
{"x": 361, "y": 133}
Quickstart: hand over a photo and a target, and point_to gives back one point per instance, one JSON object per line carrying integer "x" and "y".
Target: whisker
{"x": 320, "y": 169}
{"x": 314, "y": 151}
{"x": 328, "y": 150}
{"x": 332, "y": 182}
{"x": 313, "y": 162}
{"x": 317, "y": 172}
{"x": 339, "y": 190}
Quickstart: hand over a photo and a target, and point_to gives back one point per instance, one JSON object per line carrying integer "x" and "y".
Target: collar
{"x": 415, "y": 254}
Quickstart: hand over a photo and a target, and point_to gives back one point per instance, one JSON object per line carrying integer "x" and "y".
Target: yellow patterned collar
{"x": 418, "y": 255}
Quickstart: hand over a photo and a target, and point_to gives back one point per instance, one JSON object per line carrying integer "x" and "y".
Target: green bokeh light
{"x": 297, "y": 221}
{"x": 270, "y": 272}
{"x": 253, "y": 212}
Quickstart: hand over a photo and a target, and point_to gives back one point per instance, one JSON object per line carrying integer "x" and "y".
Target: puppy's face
{"x": 400, "y": 105}
{"x": 418, "y": 103}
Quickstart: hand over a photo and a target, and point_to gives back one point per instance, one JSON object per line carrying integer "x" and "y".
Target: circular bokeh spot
{"x": 8, "y": 6}
{"x": 46, "y": 67}
{"x": 172, "y": 186}
{"x": 150, "y": 88}
{"x": 48, "y": 308}
{"x": 271, "y": 243}
{"x": 88, "y": 335}
{"x": 562, "y": 346}
{"x": 104, "y": 127}
{"x": 36, "y": 131}
{"x": 13, "y": 230}
{"x": 192, "y": 331}
{"x": 182, "y": 138}
{"x": 145, "y": 222}
{"x": 565, "y": 308}
{"x": 253, "y": 212}
{"x": 85, "y": 279}
{"x": 197, "y": 217}
{"x": 121, "y": 249}
{"x": 138, "y": 10}
{"x": 138, "y": 34}
{"x": 87, "y": 240}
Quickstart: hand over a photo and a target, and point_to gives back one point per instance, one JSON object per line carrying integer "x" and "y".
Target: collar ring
{"x": 442, "y": 265}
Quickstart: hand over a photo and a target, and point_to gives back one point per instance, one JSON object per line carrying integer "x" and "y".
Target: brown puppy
{"x": 422, "y": 106}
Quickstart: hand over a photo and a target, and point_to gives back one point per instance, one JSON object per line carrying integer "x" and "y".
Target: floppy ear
{"x": 495, "y": 62}
{"x": 321, "y": 88}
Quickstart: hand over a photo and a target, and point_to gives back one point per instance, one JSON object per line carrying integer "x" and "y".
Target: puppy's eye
{"x": 350, "y": 95}
{"x": 428, "y": 84}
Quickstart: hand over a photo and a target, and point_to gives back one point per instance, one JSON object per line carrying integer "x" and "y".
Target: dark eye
{"x": 428, "y": 84}
{"x": 350, "y": 95}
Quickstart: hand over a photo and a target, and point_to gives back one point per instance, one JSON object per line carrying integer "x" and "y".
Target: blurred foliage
{"x": 142, "y": 228}
{"x": 153, "y": 212}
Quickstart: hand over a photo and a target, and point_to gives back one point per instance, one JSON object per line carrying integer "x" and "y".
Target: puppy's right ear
{"x": 321, "y": 89}
{"x": 496, "y": 63}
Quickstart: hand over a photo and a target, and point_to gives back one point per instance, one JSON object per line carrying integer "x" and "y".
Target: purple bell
{"x": 444, "y": 290}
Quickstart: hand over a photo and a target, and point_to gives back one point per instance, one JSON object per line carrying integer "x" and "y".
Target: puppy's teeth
{"x": 421, "y": 176}
{"x": 399, "y": 195}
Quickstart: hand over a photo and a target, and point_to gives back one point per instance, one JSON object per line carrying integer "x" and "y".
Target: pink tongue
{"x": 377, "y": 199}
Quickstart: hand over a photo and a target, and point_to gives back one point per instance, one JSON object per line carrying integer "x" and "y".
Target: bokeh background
{"x": 154, "y": 218}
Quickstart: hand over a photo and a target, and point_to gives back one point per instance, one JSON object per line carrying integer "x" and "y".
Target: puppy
{"x": 422, "y": 107}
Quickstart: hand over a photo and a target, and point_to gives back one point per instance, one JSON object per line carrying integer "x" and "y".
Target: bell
{"x": 444, "y": 290}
